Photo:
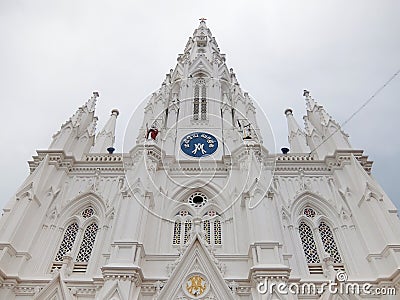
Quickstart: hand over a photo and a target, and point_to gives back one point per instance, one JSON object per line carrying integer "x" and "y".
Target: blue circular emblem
{"x": 199, "y": 144}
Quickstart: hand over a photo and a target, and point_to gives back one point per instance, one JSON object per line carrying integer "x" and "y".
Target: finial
{"x": 202, "y": 20}
{"x": 306, "y": 93}
{"x": 96, "y": 94}
{"x": 115, "y": 112}
{"x": 288, "y": 111}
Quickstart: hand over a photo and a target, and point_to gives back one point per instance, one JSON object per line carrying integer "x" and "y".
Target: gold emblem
{"x": 196, "y": 285}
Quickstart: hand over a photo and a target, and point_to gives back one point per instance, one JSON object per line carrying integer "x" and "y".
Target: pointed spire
{"x": 310, "y": 102}
{"x": 88, "y": 110}
{"x": 330, "y": 134}
{"x": 82, "y": 118}
{"x": 201, "y": 44}
{"x": 106, "y": 137}
{"x": 201, "y": 70}
{"x": 308, "y": 126}
{"x": 296, "y": 136}
{"x": 76, "y": 135}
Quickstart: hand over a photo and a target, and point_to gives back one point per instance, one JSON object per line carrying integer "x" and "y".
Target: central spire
{"x": 202, "y": 43}
{"x": 201, "y": 95}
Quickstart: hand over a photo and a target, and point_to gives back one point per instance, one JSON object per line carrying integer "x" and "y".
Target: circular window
{"x": 88, "y": 212}
{"x": 309, "y": 212}
{"x": 197, "y": 199}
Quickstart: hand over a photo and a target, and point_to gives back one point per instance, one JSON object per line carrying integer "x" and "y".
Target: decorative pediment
{"x": 114, "y": 293}
{"x": 56, "y": 289}
{"x": 196, "y": 276}
{"x": 201, "y": 63}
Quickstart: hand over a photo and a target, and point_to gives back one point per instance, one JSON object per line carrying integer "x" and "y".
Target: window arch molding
{"x": 76, "y": 205}
{"x": 315, "y": 201}
{"x": 306, "y": 220}
{"x": 208, "y": 188}
{"x": 90, "y": 220}
{"x": 201, "y": 73}
{"x": 70, "y": 220}
{"x": 210, "y": 206}
{"x": 82, "y": 222}
{"x": 183, "y": 206}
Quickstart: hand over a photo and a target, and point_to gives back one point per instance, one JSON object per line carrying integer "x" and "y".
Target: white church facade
{"x": 199, "y": 208}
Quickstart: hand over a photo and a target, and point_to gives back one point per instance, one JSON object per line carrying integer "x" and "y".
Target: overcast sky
{"x": 53, "y": 54}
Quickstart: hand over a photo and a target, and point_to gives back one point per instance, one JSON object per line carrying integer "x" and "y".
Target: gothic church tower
{"x": 198, "y": 208}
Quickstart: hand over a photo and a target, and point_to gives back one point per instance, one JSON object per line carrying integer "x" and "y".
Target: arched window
{"x": 188, "y": 228}
{"x": 181, "y": 235}
{"x": 177, "y": 233}
{"x": 69, "y": 242}
{"x": 217, "y": 232}
{"x": 85, "y": 250}
{"x": 309, "y": 246}
{"x": 323, "y": 241}
{"x": 207, "y": 230}
{"x": 203, "y": 103}
{"x": 196, "y": 102}
{"x": 329, "y": 242}
{"x": 200, "y": 100}
{"x": 212, "y": 228}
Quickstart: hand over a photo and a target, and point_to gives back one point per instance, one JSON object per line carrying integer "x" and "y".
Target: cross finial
{"x": 202, "y": 19}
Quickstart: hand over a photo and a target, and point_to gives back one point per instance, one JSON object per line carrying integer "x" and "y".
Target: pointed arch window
{"x": 182, "y": 227}
{"x": 212, "y": 228}
{"x": 68, "y": 241}
{"x": 89, "y": 237}
{"x": 188, "y": 228}
{"x": 316, "y": 245}
{"x": 69, "y": 244}
{"x": 308, "y": 241}
{"x": 217, "y": 232}
{"x": 207, "y": 230}
{"x": 177, "y": 233}
{"x": 200, "y": 100}
{"x": 329, "y": 243}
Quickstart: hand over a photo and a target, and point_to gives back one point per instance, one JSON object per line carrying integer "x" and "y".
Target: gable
{"x": 56, "y": 289}
{"x": 196, "y": 275}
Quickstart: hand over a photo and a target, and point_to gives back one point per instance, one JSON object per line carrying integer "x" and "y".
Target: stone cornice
{"x": 385, "y": 252}
{"x": 56, "y": 157}
{"x": 271, "y": 271}
{"x": 123, "y": 272}
{"x": 340, "y": 157}
{"x": 291, "y": 163}
{"x": 106, "y": 163}
{"x": 13, "y": 252}
{"x": 150, "y": 149}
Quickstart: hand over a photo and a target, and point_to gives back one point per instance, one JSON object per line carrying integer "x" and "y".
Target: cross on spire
{"x": 202, "y": 19}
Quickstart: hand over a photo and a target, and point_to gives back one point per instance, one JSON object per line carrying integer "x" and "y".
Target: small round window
{"x": 197, "y": 199}
{"x": 87, "y": 212}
